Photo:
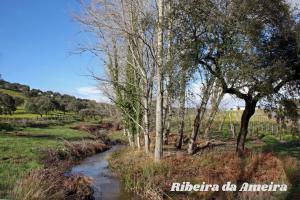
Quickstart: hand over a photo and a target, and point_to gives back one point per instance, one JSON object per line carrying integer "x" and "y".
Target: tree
{"x": 90, "y": 113}
{"x": 251, "y": 47}
{"x": 206, "y": 92}
{"x": 7, "y": 104}
{"x": 122, "y": 29}
{"x": 18, "y": 101}
{"x": 216, "y": 98}
{"x": 39, "y": 105}
{"x": 158, "y": 151}
{"x": 75, "y": 106}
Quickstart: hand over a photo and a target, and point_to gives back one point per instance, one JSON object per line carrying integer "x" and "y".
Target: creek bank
{"x": 52, "y": 181}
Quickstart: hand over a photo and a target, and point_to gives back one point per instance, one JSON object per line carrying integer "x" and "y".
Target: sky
{"x": 38, "y": 41}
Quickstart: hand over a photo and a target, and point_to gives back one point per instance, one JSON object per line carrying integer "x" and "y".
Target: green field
{"x": 21, "y": 150}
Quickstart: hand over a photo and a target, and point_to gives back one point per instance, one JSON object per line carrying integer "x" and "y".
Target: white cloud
{"x": 88, "y": 90}
{"x": 92, "y": 93}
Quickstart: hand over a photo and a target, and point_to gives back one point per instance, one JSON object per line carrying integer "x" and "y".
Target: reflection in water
{"x": 105, "y": 185}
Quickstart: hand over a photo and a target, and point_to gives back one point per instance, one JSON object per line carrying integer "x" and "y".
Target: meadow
{"x": 22, "y": 150}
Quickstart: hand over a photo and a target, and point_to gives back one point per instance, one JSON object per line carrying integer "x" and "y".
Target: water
{"x": 105, "y": 185}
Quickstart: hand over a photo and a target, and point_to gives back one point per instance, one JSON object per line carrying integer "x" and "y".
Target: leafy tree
{"x": 251, "y": 47}
{"x": 90, "y": 113}
{"x": 7, "y": 104}
{"x": 18, "y": 101}
{"x": 39, "y": 105}
{"x": 75, "y": 106}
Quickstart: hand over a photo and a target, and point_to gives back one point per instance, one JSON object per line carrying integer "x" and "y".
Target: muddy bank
{"x": 51, "y": 182}
{"x": 101, "y": 132}
{"x": 95, "y": 128}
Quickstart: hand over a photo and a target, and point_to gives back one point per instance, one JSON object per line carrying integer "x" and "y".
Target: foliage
{"x": 90, "y": 113}
{"x": 19, "y": 101}
{"x": 40, "y": 105}
{"x": 7, "y": 104}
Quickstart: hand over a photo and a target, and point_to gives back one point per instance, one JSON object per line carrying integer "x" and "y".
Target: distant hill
{"x": 62, "y": 102}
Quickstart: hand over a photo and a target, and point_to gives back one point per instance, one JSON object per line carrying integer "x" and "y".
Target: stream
{"x": 105, "y": 185}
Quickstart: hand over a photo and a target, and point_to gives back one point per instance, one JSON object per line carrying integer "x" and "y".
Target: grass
{"x": 51, "y": 182}
{"x": 140, "y": 174}
{"x": 117, "y": 135}
{"x": 12, "y": 93}
{"x": 20, "y": 113}
{"x": 21, "y": 150}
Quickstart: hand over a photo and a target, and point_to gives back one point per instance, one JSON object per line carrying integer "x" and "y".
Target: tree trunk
{"x": 138, "y": 144}
{"x": 247, "y": 114}
{"x": 181, "y": 111}
{"x": 199, "y": 116}
{"x": 168, "y": 123}
{"x": 170, "y": 79}
{"x": 232, "y": 129}
{"x": 222, "y": 123}
{"x": 168, "y": 127}
{"x": 130, "y": 138}
{"x": 215, "y": 106}
{"x": 146, "y": 124}
{"x": 165, "y": 116}
{"x": 158, "y": 152}
{"x": 195, "y": 131}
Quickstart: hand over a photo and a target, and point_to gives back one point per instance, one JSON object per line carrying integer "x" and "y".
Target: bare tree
{"x": 158, "y": 152}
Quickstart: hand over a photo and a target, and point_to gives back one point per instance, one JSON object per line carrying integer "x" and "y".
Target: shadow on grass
{"x": 6, "y": 127}
{"x": 288, "y": 149}
{"x": 44, "y": 136}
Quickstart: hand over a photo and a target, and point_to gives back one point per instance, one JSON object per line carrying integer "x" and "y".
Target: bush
{"x": 270, "y": 139}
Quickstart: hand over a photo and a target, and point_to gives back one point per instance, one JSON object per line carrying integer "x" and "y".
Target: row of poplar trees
{"x": 153, "y": 50}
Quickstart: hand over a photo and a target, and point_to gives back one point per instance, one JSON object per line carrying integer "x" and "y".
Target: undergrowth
{"x": 151, "y": 180}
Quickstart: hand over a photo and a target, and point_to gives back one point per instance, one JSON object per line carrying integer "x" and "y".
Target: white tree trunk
{"x": 158, "y": 152}
{"x": 146, "y": 125}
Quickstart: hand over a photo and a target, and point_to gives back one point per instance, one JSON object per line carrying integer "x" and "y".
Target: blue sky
{"x": 38, "y": 39}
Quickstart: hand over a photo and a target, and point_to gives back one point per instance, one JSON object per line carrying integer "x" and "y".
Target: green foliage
{"x": 270, "y": 139}
{"x": 75, "y": 106}
{"x": 39, "y": 105}
{"x": 90, "y": 113}
{"x": 7, "y": 104}
{"x": 128, "y": 98}
{"x": 18, "y": 101}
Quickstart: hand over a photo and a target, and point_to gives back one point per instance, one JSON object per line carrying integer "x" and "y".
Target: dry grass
{"x": 51, "y": 182}
{"x": 141, "y": 175}
{"x": 82, "y": 149}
